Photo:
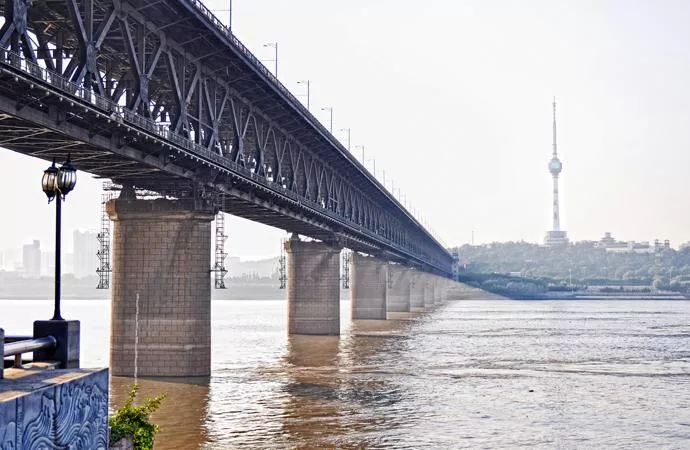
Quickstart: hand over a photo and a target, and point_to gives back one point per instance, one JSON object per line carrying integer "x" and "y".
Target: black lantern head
{"x": 49, "y": 183}
{"x": 67, "y": 178}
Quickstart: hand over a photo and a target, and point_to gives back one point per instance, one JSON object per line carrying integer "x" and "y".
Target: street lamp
{"x": 348, "y": 137}
{"x": 372, "y": 160}
{"x": 57, "y": 183}
{"x": 307, "y": 83}
{"x": 274, "y": 45}
{"x": 362, "y": 147}
{"x": 330, "y": 110}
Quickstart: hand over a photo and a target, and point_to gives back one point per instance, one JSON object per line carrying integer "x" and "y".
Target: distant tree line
{"x": 535, "y": 268}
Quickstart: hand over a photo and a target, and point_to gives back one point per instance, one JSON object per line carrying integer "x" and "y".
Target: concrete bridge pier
{"x": 428, "y": 290}
{"x": 368, "y": 287}
{"x": 438, "y": 289}
{"x": 161, "y": 288}
{"x": 417, "y": 291}
{"x": 313, "y": 287}
{"x": 399, "y": 288}
{"x": 446, "y": 289}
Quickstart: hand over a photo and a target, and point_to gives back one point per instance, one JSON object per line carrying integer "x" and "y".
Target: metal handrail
{"x": 9, "y": 339}
{"x": 17, "y": 348}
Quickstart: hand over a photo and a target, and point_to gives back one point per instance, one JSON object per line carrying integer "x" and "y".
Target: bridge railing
{"x": 122, "y": 114}
{"x": 18, "y": 347}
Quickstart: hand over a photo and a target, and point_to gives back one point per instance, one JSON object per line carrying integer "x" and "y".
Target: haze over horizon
{"x": 453, "y": 100}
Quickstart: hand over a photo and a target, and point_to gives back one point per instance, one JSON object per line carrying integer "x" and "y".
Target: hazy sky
{"x": 453, "y": 99}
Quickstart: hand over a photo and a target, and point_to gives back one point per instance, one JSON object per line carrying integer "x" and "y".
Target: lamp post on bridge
{"x": 362, "y": 147}
{"x": 372, "y": 160}
{"x": 274, "y": 45}
{"x": 330, "y": 111}
{"x": 348, "y": 137}
{"x": 56, "y": 184}
{"x": 307, "y": 83}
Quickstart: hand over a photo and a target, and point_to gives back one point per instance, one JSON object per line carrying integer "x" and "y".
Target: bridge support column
{"x": 416, "y": 291}
{"x": 428, "y": 290}
{"x": 444, "y": 290}
{"x": 368, "y": 288}
{"x": 399, "y": 289}
{"x": 161, "y": 291}
{"x": 438, "y": 289}
{"x": 313, "y": 288}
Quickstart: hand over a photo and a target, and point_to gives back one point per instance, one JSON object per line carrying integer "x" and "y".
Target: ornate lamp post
{"x": 57, "y": 183}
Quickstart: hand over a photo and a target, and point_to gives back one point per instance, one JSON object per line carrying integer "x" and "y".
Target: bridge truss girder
{"x": 152, "y": 94}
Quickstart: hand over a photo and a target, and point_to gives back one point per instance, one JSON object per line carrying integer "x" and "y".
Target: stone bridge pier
{"x": 399, "y": 288}
{"x": 368, "y": 287}
{"x": 429, "y": 290}
{"x": 161, "y": 288}
{"x": 416, "y": 291}
{"x": 439, "y": 288}
{"x": 313, "y": 287}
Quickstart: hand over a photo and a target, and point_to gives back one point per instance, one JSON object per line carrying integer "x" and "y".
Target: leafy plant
{"x": 135, "y": 421}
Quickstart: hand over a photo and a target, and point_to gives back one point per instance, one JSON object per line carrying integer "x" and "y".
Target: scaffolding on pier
{"x": 104, "y": 269}
{"x": 219, "y": 266}
{"x": 282, "y": 265}
{"x": 345, "y": 271}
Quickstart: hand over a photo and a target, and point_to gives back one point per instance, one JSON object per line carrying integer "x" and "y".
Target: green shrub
{"x": 135, "y": 421}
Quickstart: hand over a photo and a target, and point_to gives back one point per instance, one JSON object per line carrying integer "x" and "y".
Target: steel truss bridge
{"x": 158, "y": 94}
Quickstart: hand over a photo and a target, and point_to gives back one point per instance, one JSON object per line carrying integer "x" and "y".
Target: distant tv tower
{"x": 555, "y": 236}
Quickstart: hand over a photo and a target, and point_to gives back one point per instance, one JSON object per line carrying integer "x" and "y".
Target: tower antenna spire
{"x": 555, "y": 149}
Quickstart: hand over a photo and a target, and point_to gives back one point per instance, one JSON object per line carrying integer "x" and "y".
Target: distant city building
{"x": 555, "y": 237}
{"x": 659, "y": 246}
{"x": 11, "y": 259}
{"x": 606, "y": 240}
{"x": 31, "y": 259}
{"x": 610, "y": 244}
{"x": 48, "y": 264}
{"x": 85, "y": 253}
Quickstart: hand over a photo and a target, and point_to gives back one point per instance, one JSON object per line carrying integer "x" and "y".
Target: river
{"x": 470, "y": 374}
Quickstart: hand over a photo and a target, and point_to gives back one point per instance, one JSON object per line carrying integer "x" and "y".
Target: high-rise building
{"x": 31, "y": 259}
{"x": 11, "y": 259}
{"x": 48, "y": 264}
{"x": 556, "y": 236}
{"x": 85, "y": 253}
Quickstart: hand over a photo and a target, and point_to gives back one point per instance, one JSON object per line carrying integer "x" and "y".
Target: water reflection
{"x": 312, "y": 409}
{"x": 369, "y": 338}
{"x": 333, "y": 384}
{"x": 183, "y": 414}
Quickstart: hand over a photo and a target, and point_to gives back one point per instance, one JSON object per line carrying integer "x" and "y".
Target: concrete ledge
{"x": 54, "y": 409}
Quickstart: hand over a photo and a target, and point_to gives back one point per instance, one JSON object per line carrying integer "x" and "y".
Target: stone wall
{"x": 54, "y": 409}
